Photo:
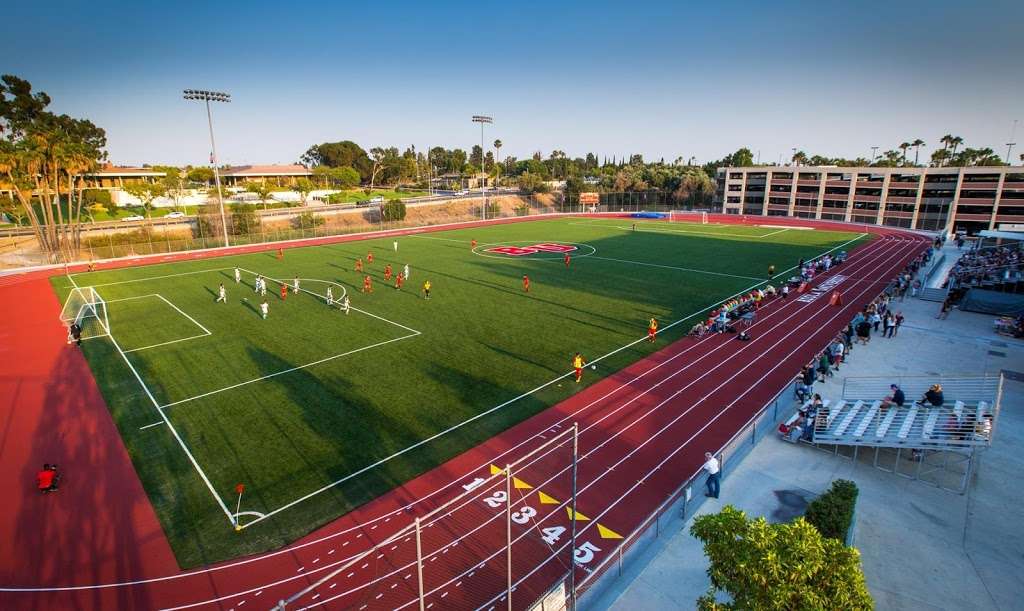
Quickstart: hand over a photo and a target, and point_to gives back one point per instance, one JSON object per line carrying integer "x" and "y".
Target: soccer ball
{"x": 593, "y": 366}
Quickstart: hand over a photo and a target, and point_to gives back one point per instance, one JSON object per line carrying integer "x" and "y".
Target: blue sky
{"x": 664, "y": 79}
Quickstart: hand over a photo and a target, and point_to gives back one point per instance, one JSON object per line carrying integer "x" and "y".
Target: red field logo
{"x": 519, "y": 251}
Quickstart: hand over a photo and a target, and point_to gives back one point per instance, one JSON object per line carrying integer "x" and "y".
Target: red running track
{"x": 643, "y": 432}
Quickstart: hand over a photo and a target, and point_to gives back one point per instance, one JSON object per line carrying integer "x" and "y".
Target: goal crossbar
{"x": 688, "y": 216}
{"x": 87, "y": 309}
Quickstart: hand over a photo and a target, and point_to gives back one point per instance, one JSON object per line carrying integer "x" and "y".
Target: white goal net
{"x": 88, "y": 310}
{"x": 688, "y": 216}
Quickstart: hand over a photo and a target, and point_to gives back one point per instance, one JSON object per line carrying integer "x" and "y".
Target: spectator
{"x": 875, "y": 320}
{"x": 805, "y": 383}
{"x": 895, "y": 397}
{"x": 864, "y": 332}
{"x": 889, "y": 324}
{"x": 712, "y": 467}
{"x": 76, "y": 333}
{"x": 48, "y": 478}
{"x": 698, "y": 330}
{"x": 933, "y": 396}
{"x": 899, "y": 321}
{"x": 824, "y": 366}
{"x": 947, "y": 305}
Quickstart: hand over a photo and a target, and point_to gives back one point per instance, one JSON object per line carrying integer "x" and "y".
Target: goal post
{"x": 88, "y": 310}
{"x": 688, "y": 216}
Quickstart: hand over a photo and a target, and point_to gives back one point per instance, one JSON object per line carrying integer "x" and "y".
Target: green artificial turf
{"x": 291, "y": 404}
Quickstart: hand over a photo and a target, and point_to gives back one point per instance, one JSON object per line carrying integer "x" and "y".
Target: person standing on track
{"x": 578, "y": 364}
{"x": 652, "y": 329}
{"x": 714, "y": 474}
{"x": 526, "y": 283}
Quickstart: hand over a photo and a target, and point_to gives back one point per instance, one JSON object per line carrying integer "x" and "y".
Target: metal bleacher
{"x": 913, "y": 426}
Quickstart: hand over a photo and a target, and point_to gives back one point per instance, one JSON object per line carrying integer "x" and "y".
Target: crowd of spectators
{"x": 986, "y": 267}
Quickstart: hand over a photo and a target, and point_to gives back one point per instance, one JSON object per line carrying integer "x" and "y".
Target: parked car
{"x": 175, "y": 215}
{"x": 134, "y": 217}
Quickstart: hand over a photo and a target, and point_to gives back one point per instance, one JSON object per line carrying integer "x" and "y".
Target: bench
{"x": 886, "y": 422}
{"x": 848, "y": 418}
{"x": 929, "y": 425}
{"x": 907, "y": 423}
{"x": 867, "y": 419}
{"x": 834, "y": 413}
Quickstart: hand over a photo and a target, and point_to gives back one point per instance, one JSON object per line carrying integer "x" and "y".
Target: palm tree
{"x": 917, "y": 144}
{"x": 799, "y": 158}
{"x": 955, "y": 141}
{"x": 903, "y": 147}
{"x": 497, "y": 162}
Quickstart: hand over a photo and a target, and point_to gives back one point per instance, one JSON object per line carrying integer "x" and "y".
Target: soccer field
{"x": 317, "y": 412}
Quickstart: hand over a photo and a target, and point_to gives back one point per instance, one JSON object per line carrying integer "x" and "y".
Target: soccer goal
{"x": 88, "y": 310}
{"x": 688, "y": 216}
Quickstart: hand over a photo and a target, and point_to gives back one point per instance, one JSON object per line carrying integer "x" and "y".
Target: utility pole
{"x": 874, "y": 150}
{"x": 1011, "y": 143}
{"x": 481, "y": 119}
{"x": 213, "y": 96}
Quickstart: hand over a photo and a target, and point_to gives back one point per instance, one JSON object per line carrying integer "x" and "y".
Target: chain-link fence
{"x": 247, "y": 224}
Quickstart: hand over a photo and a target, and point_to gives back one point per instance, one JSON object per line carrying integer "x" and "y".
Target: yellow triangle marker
{"x": 579, "y": 516}
{"x": 607, "y": 533}
{"x": 520, "y": 484}
{"x": 496, "y": 470}
{"x": 545, "y": 499}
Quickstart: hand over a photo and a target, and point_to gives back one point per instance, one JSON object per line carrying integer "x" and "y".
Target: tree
{"x": 696, "y": 189}
{"x": 338, "y": 178}
{"x": 303, "y": 186}
{"x": 940, "y": 157}
{"x": 174, "y": 185}
{"x": 742, "y": 158}
{"x": 800, "y": 158}
{"x": 379, "y": 156}
{"x": 40, "y": 154}
{"x": 532, "y": 183}
{"x": 917, "y": 144}
{"x": 954, "y": 142}
{"x": 777, "y": 566}
{"x": 262, "y": 189}
{"x": 99, "y": 197}
{"x": 201, "y": 175}
{"x": 146, "y": 192}
{"x": 338, "y": 154}
{"x": 11, "y": 209}
{"x": 244, "y": 219}
{"x": 393, "y": 210}
{"x": 497, "y": 164}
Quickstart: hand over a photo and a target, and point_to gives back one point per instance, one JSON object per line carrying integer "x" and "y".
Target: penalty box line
{"x": 646, "y": 227}
{"x": 170, "y": 427}
{"x": 206, "y": 332}
{"x": 411, "y": 333}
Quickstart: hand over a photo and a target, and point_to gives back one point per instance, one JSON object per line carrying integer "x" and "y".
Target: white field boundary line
{"x": 645, "y": 227}
{"x": 775, "y": 232}
{"x": 682, "y": 269}
{"x": 642, "y": 479}
{"x": 200, "y": 271}
{"x": 887, "y": 252}
{"x": 206, "y": 332}
{"x": 170, "y": 427}
{"x": 556, "y": 510}
{"x": 454, "y": 481}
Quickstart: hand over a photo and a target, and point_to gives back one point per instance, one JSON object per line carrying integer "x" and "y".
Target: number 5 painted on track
{"x": 585, "y": 553}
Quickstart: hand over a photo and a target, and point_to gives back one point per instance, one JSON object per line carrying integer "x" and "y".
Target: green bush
{"x": 393, "y": 210}
{"x": 832, "y": 512}
{"x": 244, "y": 220}
{"x": 307, "y": 220}
{"x": 92, "y": 197}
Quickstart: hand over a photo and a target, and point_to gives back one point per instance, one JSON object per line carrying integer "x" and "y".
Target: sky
{"x": 662, "y": 79}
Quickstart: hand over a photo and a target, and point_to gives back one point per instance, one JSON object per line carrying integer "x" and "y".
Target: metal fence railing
{"x": 967, "y": 388}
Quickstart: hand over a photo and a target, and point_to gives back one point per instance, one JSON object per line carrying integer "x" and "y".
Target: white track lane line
{"x": 289, "y": 550}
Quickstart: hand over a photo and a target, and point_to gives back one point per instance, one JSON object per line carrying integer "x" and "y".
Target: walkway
{"x": 922, "y": 548}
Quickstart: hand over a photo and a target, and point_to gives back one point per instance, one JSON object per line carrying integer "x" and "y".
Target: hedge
{"x": 832, "y": 512}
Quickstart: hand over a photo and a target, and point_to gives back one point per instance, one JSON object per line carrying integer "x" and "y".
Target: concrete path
{"x": 921, "y": 547}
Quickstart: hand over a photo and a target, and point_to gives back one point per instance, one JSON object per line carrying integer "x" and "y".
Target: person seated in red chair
{"x": 48, "y": 478}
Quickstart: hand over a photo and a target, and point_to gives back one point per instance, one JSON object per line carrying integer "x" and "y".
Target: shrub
{"x": 101, "y": 197}
{"x": 393, "y": 210}
{"x": 307, "y": 220}
{"x": 777, "y": 566}
{"x": 832, "y": 512}
{"x": 244, "y": 220}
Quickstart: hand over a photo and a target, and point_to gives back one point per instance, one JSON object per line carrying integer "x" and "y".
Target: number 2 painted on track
{"x": 496, "y": 499}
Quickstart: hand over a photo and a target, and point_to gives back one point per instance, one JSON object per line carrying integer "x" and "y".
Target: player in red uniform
{"x": 526, "y": 283}
{"x": 472, "y": 243}
{"x": 399, "y": 280}
{"x": 387, "y": 272}
{"x": 280, "y": 254}
{"x": 367, "y": 284}
{"x": 652, "y": 329}
{"x": 359, "y": 265}
{"x": 284, "y": 291}
{"x": 369, "y": 258}
{"x": 566, "y": 259}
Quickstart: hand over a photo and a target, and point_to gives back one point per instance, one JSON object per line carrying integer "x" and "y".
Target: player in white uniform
{"x": 295, "y": 286}
{"x": 222, "y": 294}
{"x": 238, "y": 275}
{"x": 345, "y": 306}
{"x": 395, "y": 245}
{"x": 263, "y": 286}
{"x": 330, "y": 295}
{"x": 264, "y": 309}
{"x": 405, "y": 272}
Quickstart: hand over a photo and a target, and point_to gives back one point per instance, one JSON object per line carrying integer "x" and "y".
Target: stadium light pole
{"x": 874, "y": 153}
{"x": 1011, "y": 143}
{"x": 213, "y": 96}
{"x": 481, "y": 119}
